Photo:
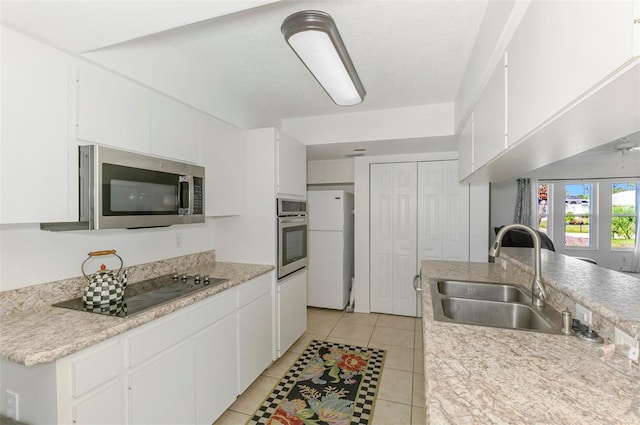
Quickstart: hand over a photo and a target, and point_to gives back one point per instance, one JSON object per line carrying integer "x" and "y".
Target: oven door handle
{"x": 294, "y": 220}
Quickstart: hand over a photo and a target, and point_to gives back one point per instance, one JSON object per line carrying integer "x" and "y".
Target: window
{"x": 578, "y": 214}
{"x": 601, "y": 214}
{"x": 624, "y": 213}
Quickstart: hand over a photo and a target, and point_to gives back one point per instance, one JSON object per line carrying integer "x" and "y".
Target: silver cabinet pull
{"x": 416, "y": 283}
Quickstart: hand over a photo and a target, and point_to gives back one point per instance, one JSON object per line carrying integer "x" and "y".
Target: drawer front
{"x": 96, "y": 368}
{"x": 169, "y": 331}
{"x": 254, "y": 289}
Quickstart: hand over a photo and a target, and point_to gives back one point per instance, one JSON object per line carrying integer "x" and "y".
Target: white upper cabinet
{"x": 465, "y": 149}
{"x": 330, "y": 171}
{"x": 34, "y": 153}
{"x": 292, "y": 167}
{"x": 112, "y": 111}
{"x": 222, "y": 157}
{"x": 489, "y": 117}
{"x": 560, "y": 50}
{"x": 175, "y": 129}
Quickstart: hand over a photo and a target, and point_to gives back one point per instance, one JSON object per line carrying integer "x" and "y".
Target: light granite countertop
{"x": 477, "y": 374}
{"x": 45, "y": 333}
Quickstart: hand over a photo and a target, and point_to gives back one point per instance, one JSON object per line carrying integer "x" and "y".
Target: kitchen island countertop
{"x": 477, "y": 374}
{"x": 45, "y": 334}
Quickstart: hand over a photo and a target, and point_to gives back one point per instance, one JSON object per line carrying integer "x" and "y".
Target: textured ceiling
{"x": 238, "y": 66}
{"x": 406, "y": 52}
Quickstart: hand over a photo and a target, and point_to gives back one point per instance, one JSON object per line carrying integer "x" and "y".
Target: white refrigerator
{"x": 330, "y": 254}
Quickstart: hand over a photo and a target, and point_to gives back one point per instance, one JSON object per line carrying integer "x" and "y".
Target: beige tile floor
{"x": 401, "y": 394}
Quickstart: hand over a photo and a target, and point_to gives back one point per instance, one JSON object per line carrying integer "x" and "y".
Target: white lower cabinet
{"x": 216, "y": 363}
{"x": 163, "y": 391}
{"x": 255, "y": 351}
{"x": 292, "y": 309}
{"x": 104, "y": 407}
{"x": 185, "y": 368}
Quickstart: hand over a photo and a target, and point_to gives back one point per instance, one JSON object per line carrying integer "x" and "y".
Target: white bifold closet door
{"x": 418, "y": 211}
{"x": 443, "y": 213}
{"x": 393, "y": 237}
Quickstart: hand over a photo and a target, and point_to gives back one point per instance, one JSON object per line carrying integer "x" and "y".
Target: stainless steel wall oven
{"x": 292, "y": 236}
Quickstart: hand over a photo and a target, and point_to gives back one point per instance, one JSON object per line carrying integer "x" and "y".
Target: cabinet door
{"x": 292, "y": 310}
{"x": 300, "y": 306}
{"x": 292, "y": 167}
{"x": 560, "y": 50}
{"x": 489, "y": 117}
{"x": 255, "y": 338}
{"x": 163, "y": 391}
{"x": 222, "y": 157}
{"x": 104, "y": 407}
{"x": 216, "y": 360}
{"x": 314, "y": 172}
{"x": 175, "y": 130}
{"x": 34, "y": 153}
{"x": 466, "y": 150}
{"x": 338, "y": 171}
{"x": 112, "y": 111}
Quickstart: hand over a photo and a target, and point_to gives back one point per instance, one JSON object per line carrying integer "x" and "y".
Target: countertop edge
{"x": 14, "y": 345}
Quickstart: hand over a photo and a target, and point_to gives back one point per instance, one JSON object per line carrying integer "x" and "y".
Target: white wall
{"x": 479, "y": 232}
{"x": 30, "y": 256}
{"x": 388, "y": 124}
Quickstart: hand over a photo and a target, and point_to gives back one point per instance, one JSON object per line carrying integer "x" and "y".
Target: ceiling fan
{"x": 622, "y": 146}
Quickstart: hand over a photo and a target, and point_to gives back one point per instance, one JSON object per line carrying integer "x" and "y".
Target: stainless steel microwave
{"x": 120, "y": 189}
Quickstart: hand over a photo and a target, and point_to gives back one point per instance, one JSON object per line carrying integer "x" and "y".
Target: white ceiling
{"x": 238, "y": 67}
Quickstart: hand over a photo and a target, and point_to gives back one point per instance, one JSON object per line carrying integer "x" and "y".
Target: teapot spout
{"x": 124, "y": 278}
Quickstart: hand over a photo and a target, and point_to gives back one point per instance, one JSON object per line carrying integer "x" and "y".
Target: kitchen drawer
{"x": 170, "y": 330}
{"x": 96, "y": 368}
{"x": 254, "y": 289}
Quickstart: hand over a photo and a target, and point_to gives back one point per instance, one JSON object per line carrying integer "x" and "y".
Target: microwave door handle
{"x": 185, "y": 187}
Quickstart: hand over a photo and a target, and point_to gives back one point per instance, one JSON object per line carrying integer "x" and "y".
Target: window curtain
{"x": 522, "y": 212}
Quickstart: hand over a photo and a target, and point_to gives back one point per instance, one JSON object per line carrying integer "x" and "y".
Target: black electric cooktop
{"x": 147, "y": 294}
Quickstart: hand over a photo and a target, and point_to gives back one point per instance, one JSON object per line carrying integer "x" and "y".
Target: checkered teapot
{"x": 104, "y": 287}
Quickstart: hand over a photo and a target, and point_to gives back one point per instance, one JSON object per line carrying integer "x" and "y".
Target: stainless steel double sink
{"x": 497, "y": 305}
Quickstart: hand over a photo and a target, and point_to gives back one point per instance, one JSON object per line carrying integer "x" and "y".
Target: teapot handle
{"x": 106, "y": 252}
{"x": 98, "y": 253}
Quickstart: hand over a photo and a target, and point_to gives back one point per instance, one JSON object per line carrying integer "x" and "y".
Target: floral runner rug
{"x": 330, "y": 383}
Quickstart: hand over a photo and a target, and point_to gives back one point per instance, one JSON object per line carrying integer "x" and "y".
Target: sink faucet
{"x": 538, "y": 292}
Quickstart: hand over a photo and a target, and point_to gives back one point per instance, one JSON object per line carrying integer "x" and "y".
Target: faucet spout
{"x": 538, "y": 291}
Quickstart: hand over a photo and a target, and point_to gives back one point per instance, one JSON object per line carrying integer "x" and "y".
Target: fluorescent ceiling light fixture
{"x": 313, "y": 36}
